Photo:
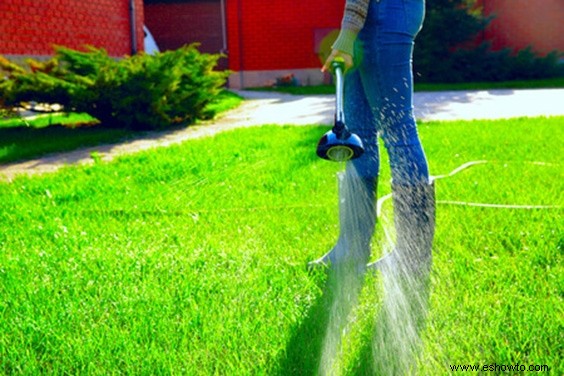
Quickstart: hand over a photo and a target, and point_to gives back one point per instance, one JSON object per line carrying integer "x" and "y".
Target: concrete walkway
{"x": 275, "y": 108}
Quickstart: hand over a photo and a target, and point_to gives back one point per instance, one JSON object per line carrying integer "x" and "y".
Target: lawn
{"x": 191, "y": 259}
{"x": 26, "y": 138}
{"x": 550, "y": 83}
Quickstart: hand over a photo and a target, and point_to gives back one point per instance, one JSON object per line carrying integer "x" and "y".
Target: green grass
{"x": 225, "y": 101}
{"x": 29, "y": 142}
{"x": 191, "y": 259}
{"x": 51, "y": 133}
{"x": 46, "y": 120}
{"x": 528, "y": 84}
{"x": 549, "y": 83}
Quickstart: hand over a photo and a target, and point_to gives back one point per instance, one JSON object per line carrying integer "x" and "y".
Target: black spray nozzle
{"x": 339, "y": 144}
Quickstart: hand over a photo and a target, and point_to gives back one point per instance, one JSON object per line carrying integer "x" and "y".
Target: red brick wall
{"x": 522, "y": 23}
{"x": 276, "y": 34}
{"x": 176, "y": 24}
{"x": 32, "y": 27}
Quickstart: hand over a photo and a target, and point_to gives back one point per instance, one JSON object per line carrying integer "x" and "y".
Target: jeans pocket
{"x": 402, "y": 16}
{"x": 414, "y": 15}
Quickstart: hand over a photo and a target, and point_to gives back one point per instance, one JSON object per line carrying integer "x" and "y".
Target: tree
{"x": 449, "y": 24}
{"x": 448, "y": 49}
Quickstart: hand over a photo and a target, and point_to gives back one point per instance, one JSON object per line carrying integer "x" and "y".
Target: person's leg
{"x": 361, "y": 119}
{"x": 386, "y": 74}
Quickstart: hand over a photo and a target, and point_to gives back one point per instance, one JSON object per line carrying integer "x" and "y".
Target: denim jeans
{"x": 379, "y": 91}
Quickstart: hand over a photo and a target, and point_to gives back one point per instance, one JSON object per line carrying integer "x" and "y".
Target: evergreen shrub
{"x": 140, "y": 92}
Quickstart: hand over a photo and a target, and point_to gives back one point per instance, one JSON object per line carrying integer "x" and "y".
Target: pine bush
{"x": 141, "y": 92}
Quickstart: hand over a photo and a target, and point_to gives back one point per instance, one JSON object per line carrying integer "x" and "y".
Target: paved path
{"x": 274, "y": 108}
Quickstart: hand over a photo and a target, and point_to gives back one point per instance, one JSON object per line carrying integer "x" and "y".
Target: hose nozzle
{"x": 339, "y": 144}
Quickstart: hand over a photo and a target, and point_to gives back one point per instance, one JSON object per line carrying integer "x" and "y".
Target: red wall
{"x": 262, "y": 35}
{"x": 278, "y": 34}
{"x": 521, "y": 23}
{"x": 32, "y": 27}
{"x": 176, "y": 24}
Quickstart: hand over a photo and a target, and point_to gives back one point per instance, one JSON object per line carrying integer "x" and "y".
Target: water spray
{"x": 339, "y": 144}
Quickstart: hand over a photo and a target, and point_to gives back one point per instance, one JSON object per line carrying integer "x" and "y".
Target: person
{"x": 376, "y": 42}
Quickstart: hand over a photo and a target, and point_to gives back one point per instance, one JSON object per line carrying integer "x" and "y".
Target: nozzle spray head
{"x": 339, "y": 144}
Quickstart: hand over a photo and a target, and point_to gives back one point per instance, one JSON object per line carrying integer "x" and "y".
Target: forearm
{"x": 353, "y": 21}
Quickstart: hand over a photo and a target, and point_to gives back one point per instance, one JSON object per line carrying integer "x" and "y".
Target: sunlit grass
{"x": 551, "y": 83}
{"x": 36, "y": 136}
{"x": 192, "y": 259}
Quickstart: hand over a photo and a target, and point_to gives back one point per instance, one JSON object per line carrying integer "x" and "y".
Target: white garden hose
{"x": 376, "y": 264}
{"x": 474, "y": 204}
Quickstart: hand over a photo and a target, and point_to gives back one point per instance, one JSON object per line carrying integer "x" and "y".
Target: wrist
{"x": 345, "y": 41}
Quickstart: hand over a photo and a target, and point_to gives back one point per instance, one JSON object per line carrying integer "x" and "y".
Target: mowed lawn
{"x": 192, "y": 259}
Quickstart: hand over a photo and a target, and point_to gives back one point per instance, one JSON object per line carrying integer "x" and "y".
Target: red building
{"x": 261, "y": 39}
{"x": 264, "y": 40}
{"x": 522, "y": 23}
{"x": 32, "y": 27}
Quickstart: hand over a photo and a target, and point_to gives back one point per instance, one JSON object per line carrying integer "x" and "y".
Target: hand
{"x": 335, "y": 54}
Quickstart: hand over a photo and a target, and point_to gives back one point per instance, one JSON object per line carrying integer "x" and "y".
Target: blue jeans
{"x": 379, "y": 91}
